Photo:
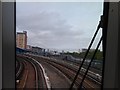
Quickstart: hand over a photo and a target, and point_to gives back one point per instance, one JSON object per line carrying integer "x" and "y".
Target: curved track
{"x": 19, "y": 69}
{"x": 70, "y": 73}
{"x": 56, "y": 77}
{"x": 33, "y": 74}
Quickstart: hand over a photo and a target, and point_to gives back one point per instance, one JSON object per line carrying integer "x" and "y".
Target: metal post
{"x": 8, "y": 45}
{"x": 0, "y": 45}
{"x": 112, "y": 47}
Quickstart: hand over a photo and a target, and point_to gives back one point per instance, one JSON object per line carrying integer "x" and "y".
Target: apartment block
{"x": 21, "y": 40}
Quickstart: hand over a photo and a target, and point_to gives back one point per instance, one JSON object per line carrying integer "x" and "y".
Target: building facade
{"x": 85, "y": 50}
{"x": 38, "y": 50}
{"x": 29, "y": 47}
{"x": 21, "y": 40}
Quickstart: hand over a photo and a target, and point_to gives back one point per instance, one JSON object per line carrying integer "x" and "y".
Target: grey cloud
{"x": 40, "y": 21}
{"x": 48, "y": 30}
{"x": 47, "y": 27}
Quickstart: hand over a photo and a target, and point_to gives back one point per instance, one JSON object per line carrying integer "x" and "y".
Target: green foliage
{"x": 98, "y": 56}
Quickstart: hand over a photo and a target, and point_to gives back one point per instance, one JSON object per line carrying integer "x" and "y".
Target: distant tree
{"x": 98, "y": 56}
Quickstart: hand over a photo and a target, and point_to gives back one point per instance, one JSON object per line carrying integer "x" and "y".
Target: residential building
{"x": 21, "y": 40}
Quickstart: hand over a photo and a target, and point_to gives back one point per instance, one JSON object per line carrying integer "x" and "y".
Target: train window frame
{"x": 8, "y": 46}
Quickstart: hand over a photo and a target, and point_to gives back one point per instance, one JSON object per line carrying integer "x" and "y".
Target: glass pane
{"x": 52, "y": 39}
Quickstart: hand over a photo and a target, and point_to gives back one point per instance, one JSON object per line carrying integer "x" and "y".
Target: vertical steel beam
{"x": 104, "y": 32}
{"x": 111, "y": 54}
{"x": 0, "y": 45}
{"x": 8, "y": 45}
{"x": 118, "y": 71}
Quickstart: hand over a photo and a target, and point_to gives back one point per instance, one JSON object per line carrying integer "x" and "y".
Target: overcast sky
{"x": 60, "y": 25}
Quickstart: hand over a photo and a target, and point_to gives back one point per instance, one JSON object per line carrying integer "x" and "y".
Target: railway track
{"x": 19, "y": 69}
{"x": 91, "y": 75}
{"x": 25, "y": 76}
{"x": 70, "y": 73}
{"x": 74, "y": 68}
{"x": 77, "y": 63}
{"x": 33, "y": 75}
